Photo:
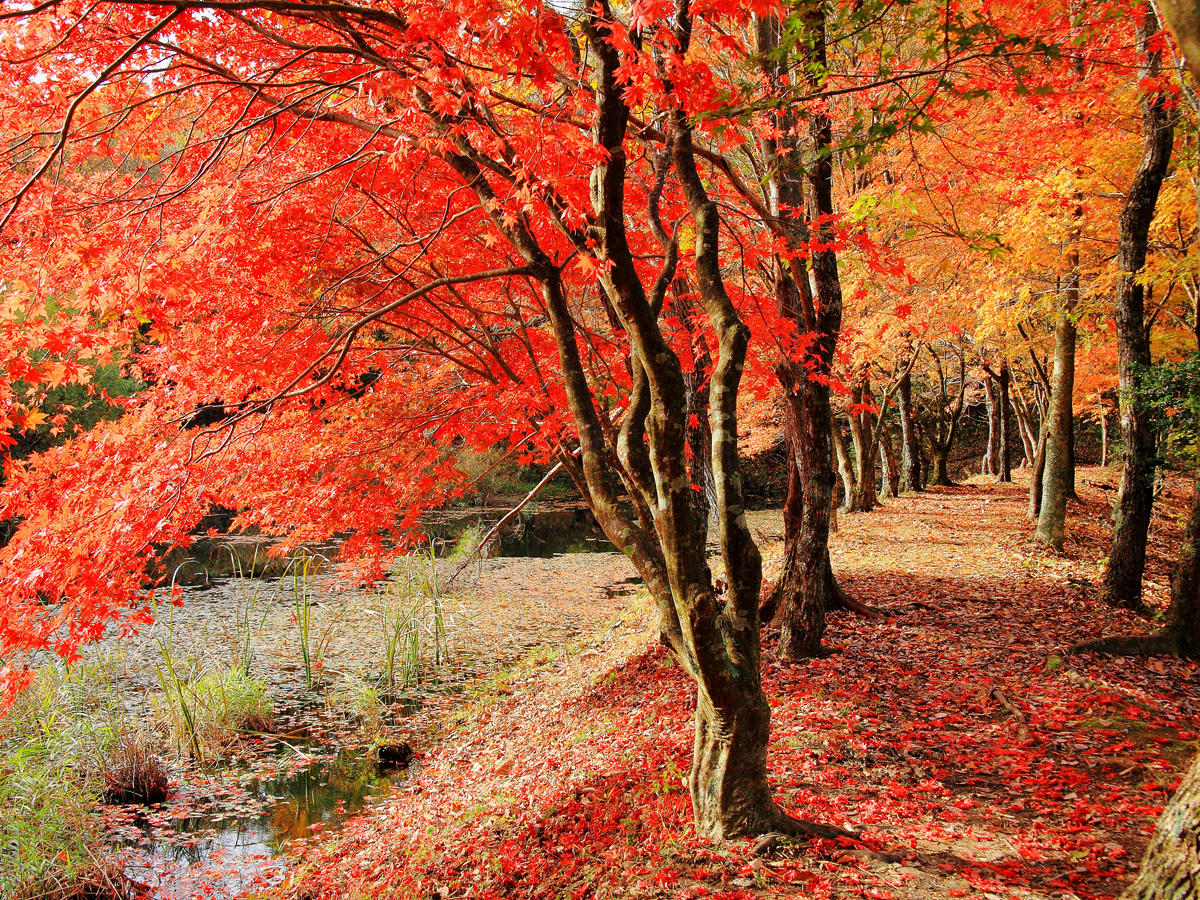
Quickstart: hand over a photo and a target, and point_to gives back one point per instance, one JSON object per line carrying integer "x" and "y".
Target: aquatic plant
{"x": 247, "y": 623}
{"x": 420, "y": 621}
{"x": 206, "y": 714}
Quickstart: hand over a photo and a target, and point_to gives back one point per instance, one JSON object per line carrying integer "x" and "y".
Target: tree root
{"x": 1077, "y": 677}
{"x": 1005, "y": 703}
{"x": 1158, "y": 643}
{"x": 793, "y": 827}
{"x": 842, "y": 600}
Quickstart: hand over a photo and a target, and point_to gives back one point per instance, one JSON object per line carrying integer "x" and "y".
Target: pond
{"x": 226, "y": 832}
{"x": 540, "y": 531}
{"x": 230, "y": 826}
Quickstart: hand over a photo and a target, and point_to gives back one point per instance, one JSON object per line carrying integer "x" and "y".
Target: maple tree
{"x": 1123, "y": 576}
{"x": 473, "y": 165}
{"x": 362, "y": 237}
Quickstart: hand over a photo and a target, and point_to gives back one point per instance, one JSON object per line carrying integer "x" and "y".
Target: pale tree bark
{"x": 845, "y": 466}
{"x": 1025, "y": 424}
{"x": 1005, "y": 473}
{"x": 887, "y": 456}
{"x": 1041, "y": 401}
{"x": 1182, "y": 17}
{"x": 1122, "y": 581}
{"x": 1057, "y": 475}
{"x": 910, "y": 442}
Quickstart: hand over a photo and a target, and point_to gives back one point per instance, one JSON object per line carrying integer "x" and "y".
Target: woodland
{"x": 320, "y": 270}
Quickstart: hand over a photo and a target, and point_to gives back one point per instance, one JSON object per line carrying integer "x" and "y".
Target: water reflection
{"x": 234, "y": 846}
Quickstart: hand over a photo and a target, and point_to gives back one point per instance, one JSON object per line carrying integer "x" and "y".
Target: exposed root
{"x": 1076, "y": 677}
{"x": 1005, "y": 703}
{"x": 1158, "y": 643}
{"x": 842, "y": 600}
{"x": 783, "y": 824}
{"x": 768, "y": 609}
{"x": 793, "y": 827}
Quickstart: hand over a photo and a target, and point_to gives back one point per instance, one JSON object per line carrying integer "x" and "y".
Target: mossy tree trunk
{"x": 811, "y": 298}
{"x": 1122, "y": 581}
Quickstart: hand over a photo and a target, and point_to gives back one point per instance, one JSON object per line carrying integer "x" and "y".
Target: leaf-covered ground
{"x": 952, "y": 733}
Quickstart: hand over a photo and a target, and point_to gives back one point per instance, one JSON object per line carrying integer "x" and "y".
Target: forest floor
{"x": 952, "y": 732}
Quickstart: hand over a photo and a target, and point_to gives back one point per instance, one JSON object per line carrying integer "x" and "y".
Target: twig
{"x": 555, "y": 469}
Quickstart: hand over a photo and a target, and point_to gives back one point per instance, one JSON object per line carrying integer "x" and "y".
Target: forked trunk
{"x": 862, "y": 429}
{"x": 946, "y": 419}
{"x": 802, "y": 593}
{"x": 991, "y": 454}
{"x": 1029, "y": 436}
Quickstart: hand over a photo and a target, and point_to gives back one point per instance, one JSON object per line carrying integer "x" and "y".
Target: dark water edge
{"x": 541, "y": 532}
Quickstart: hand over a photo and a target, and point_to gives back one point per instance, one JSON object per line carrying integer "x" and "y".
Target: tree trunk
{"x": 1039, "y": 471}
{"x": 862, "y": 431}
{"x": 1005, "y": 473}
{"x": 1103, "y": 435}
{"x": 804, "y": 591}
{"x": 1170, "y": 868}
{"x": 910, "y": 451}
{"x": 946, "y": 419}
{"x": 1056, "y": 476}
{"x": 1180, "y": 636}
{"x": 1183, "y": 616}
{"x": 806, "y": 587}
{"x": 1122, "y": 582}
{"x": 991, "y": 455}
{"x": 1025, "y": 425}
{"x": 845, "y": 469}
{"x": 891, "y": 472}
{"x": 941, "y": 466}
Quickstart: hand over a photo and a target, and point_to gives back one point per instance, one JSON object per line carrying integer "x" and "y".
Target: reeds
{"x": 60, "y": 744}
{"x": 420, "y": 623}
{"x": 207, "y": 714}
